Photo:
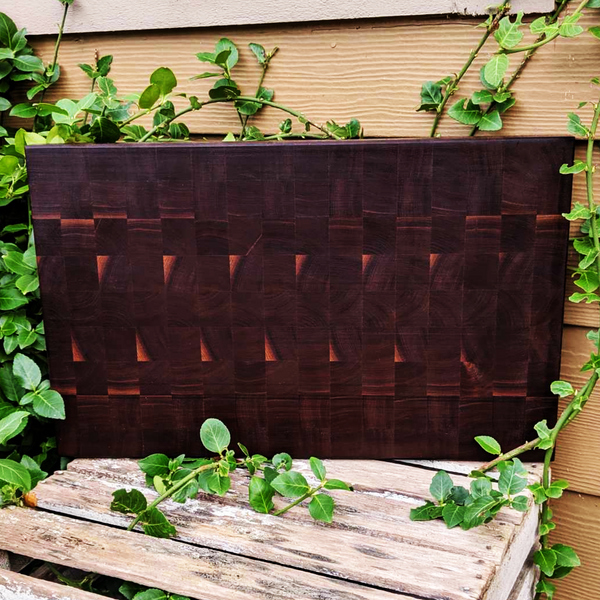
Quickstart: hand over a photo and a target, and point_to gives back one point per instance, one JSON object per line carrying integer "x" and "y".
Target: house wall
{"x": 372, "y": 70}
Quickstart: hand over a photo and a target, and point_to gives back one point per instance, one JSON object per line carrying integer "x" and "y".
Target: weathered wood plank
{"x": 166, "y": 564}
{"x": 371, "y": 540}
{"x": 19, "y": 587}
{"x": 578, "y": 524}
{"x": 579, "y": 444}
{"x": 525, "y": 586}
{"x": 371, "y": 70}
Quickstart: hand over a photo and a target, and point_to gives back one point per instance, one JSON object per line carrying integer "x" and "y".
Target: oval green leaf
{"x": 214, "y": 435}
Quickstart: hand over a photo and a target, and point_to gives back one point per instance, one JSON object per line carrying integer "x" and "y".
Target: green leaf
{"x": 495, "y": 69}
{"x": 583, "y": 245}
{"x": 555, "y": 490}
{"x": 545, "y": 587}
{"x": 482, "y": 97}
{"x": 542, "y": 428}
{"x": 156, "y": 524}
{"x": 458, "y": 495}
{"x": 489, "y": 444}
{"x": 481, "y": 487}
{"x": 470, "y": 115}
{"x": 205, "y": 76}
{"x": 588, "y": 260}
{"x": 260, "y": 495}
{"x": 151, "y": 594}
{"x": 545, "y": 559}
{"x": 568, "y": 28}
{"x": 164, "y": 79}
{"x": 579, "y": 297}
{"x": 225, "y": 44}
{"x": 337, "y": 484}
{"x": 318, "y": 468}
{"x": 34, "y": 470}
{"x": 259, "y": 52}
{"x": 128, "y": 502}
{"x": 283, "y": 459}
{"x": 575, "y": 127}
{"x": 321, "y": 508}
{"x": 105, "y": 131}
{"x": 26, "y": 372}
{"x": 149, "y": 96}
{"x": 546, "y": 528}
{"x": 155, "y": 464}
{"x": 12, "y": 425}
{"x": 7, "y": 29}
{"x": 490, "y": 121}
{"x": 508, "y": 34}
{"x": 520, "y": 503}
{"x": 11, "y": 298}
{"x": 208, "y": 57}
{"x": 562, "y": 388}
{"x": 428, "y": 512}
{"x": 453, "y": 515}
{"x": 595, "y": 31}
{"x": 27, "y": 284}
{"x": 214, "y": 435}
{"x": 9, "y": 385}
{"x": 441, "y": 486}
{"x": 431, "y": 96}
{"x": 290, "y": 484}
{"x": 479, "y": 506}
{"x": 538, "y": 26}
{"x": 29, "y": 63}
{"x": 189, "y": 490}
{"x": 578, "y": 167}
{"x": 15, "y": 263}
{"x": 26, "y": 338}
{"x": 159, "y": 484}
{"x": 219, "y": 484}
{"x": 510, "y": 482}
{"x": 13, "y": 473}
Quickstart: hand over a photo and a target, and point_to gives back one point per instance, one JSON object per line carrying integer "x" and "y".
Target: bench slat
{"x": 14, "y": 586}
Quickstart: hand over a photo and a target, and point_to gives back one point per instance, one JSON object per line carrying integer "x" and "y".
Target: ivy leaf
{"x": 555, "y": 490}
{"x": 34, "y": 470}
{"x": 151, "y": 594}
{"x": 539, "y": 494}
{"x": 568, "y": 28}
{"x": 481, "y": 487}
{"x": 508, "y": 34}
{"x": 441, "y": 486}
{"x": 9, "y": 385}
{"x": 12, "y": 425}
{"x": 13, "y": 473}
{"x": 26, "y": 372}
{"x": 105, "y": 131}
{"x": 321, "y": 508}
{"x": 578, "y": 167}
{"x": 49, "y": 404}
{"x": 260, "y": 495}
{"x": 453, "y": 515}
{"x": 538, "y": 26}
{"x": 428, "y": 512}
{"x": 482, "y": 97}
{"x": 546, "y": 528}
{"x": 495, "y": 69}
{"x": 490, "y": 121}
{"x": 588, "y": 260}
{"x": 510, "y": 482}
{"x": 27, "y": 284}
{"x": 337, "y": 484}
{"x": 155, "y": 464}
{"x": 562, "y": 388}
{"x": 565, "y": 556}
{"x": 224, "y": 45}
{"x": 579, "y": 297}
{"x": 164, "y": 79}
{"x": 545, "y": 587}
{"x": 575, "y": 127}
{"x": 29, "y": 63}
{"x": 214, "y": 435}
{"x": 542, "y": 428}
{"x": 458, "y": 495}
{"x": 149, "y": 96}
{"x": 283, "y": 459}
{"x": 259, "y": 52}
{"x": 592, "y": 335}
{"x": 489, "y": 444}
{"x": 431, "y": 96}
{"x": 470, "y": 115}
{"x": 318, "y": 468}
{"x": 479, "y": 506}
{"x": 219, "y": 484}
{"x": 290, "y": 484}
{"x": 157, "y": 525}
{"x": 545, "y": 559}
{"x": 520, "y": 503}
{"x": 132, "y": 502}
{"x": 595, "y": 31}
{"x": 11, "y": 298}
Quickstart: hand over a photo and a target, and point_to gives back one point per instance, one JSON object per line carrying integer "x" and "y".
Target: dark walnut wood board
{"x": 388, "y": 298}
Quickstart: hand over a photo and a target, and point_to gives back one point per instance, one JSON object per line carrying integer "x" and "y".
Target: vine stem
{"x": 453, "y": 85}
{"x": 181, "y": 483}
{"x": 302, "y": 498}
{"x": 290, "y": 111}
{"x": 517, "y": 73}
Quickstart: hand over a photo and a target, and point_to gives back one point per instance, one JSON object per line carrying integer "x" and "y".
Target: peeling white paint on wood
{"x": 42, "y": 17}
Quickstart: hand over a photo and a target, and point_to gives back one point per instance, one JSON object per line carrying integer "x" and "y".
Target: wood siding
{"x": 373, "y": 70}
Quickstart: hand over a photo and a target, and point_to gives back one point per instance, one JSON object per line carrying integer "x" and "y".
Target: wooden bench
{"x": 226, "y": 551}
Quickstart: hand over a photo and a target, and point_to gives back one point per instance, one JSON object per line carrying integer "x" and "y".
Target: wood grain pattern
{"x": 371, "y": 542}
{"x": 579, "y": 444}
{"x": 345, "y": 300}
{"x": 370, "y": 69}
{"x": 20, "y": 587}
{"x": 578, "y": 524}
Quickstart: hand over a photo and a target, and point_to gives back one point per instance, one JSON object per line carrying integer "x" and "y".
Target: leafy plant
{"x": 182, "y": 478}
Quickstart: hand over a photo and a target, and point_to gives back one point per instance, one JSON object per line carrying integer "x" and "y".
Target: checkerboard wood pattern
{"x": 385, "y": 298}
